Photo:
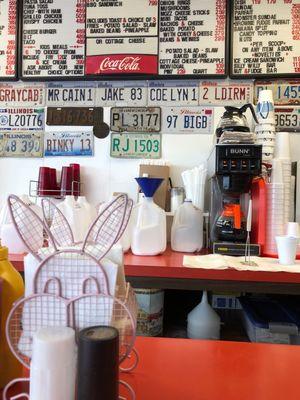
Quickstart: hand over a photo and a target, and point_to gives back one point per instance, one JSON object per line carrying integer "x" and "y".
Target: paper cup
{"x": 287, "y": 248}
{"x": 293, "y": 229}
{"x": 282, "y": 148}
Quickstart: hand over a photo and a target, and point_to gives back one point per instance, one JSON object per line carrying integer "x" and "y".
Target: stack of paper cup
{"x": 282, "y": 153}
{"x": 275, "y": 222}
{"x": 265, "y": 130}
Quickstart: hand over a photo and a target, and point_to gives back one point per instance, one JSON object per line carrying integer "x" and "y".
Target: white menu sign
{"x": 192, "y": 37}
{"x": 8, "y": 38}
{"x": 266, "y": 37}
{"x": 122, "y": 37}
{"x": 53, "y": 38}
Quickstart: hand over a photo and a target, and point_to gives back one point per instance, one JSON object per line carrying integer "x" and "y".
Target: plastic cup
{"x": 277, "y": 175}
{"x": 53, "y": 181}
{"x": 287, "y": 249}
{"x": 44, "y": 182}
{"x": 76, "y": 179}
{"x": 293, "y": 229}
{"x": 282, "y": 148}
{"x": 66, "y": 181}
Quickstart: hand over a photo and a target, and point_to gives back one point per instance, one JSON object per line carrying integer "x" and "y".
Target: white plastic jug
{"x": 187, "y": 229}
{"x": 149, "y": 236}
{"x": 203, "y": 321}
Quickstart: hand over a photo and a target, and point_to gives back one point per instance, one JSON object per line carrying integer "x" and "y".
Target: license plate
{"x": 187, "y": 120}
{"x": 74, "y": 116}
{"x": 22, "y": 95}
{"x": 132, "y": 119}
{"x": 170, "y": 93}
{"x": 135, "y": 145}
{"x": 284, "y": 92}
{"x": 288, "y": 119}
{"x": 21, "y": 144}
{"x": 70, "y": 94}
{"x": 17, "y": 119}
{"x": 128, "y": 93}
{"x": 221, "y": 93}
{"x": 68, "y": 143}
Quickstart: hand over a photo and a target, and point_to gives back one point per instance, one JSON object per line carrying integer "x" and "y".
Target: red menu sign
{"x": 8, "y": 38}
{"x": 122, "y": 37}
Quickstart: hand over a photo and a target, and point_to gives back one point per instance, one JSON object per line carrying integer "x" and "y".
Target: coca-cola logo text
{"x": 123, "y": 64}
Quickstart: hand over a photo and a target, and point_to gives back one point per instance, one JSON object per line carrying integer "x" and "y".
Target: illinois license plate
{"x": 284, "y": 92}
{"x": 187, "y": 120}
{"x": 221, "y": 93}
{"x": 22, "y": 119}
{"x": 135, "y": 145}
{"x": 133, "y": 119}
{"x": 21, "y": 144}
{"x": 288, "y": 118}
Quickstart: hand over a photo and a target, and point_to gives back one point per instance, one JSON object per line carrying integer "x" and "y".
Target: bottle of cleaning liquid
{"x": 149, "y": 236}
{"x": 12, "y": 289}
{"x": 187, "y": 228}
{"x": 203, "y": 321}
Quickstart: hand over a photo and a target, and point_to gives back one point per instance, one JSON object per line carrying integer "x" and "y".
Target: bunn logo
{"x": 240, "y": 151}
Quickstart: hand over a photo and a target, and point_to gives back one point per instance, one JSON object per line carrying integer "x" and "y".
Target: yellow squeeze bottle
{"x": 12, "y": 290}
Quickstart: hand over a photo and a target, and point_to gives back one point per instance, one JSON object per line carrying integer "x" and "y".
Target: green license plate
{"x": 135, "y": 145}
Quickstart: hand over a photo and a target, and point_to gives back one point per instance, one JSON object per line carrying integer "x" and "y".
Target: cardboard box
{"x": 158, "y": 171}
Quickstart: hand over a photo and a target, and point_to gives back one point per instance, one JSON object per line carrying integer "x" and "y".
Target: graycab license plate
{"x": 135, "y": 119}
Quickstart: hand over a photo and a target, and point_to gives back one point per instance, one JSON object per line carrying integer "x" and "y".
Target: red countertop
{"x": 169, "y": 265}
{"x": 182, "y": 369}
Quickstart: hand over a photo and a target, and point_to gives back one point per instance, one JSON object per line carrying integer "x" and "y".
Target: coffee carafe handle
{"x": 244, "y": 109}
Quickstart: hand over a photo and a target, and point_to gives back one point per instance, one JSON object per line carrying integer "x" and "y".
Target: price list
{"x": 266, "y": 37}
{"x": 192, "y": 37}
{"x": 53, "y": 38}
{"x": 8, "y": 34}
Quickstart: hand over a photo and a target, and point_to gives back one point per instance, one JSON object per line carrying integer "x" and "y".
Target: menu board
{"x": 265, "y": 38}
{"x": 53, "y": 39}
{"x": 122, "y": 37}
{"x": 192, "y": 37}
{"x": 8, "y": 38}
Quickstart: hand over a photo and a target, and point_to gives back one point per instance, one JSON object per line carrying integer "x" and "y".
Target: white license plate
{"x": 117, "y": 93}
{"x": 21, "y": 144}
{"x": 133, "y": 119}
{"x": 135, "y": 145}
{"x": 187, "y": 120}
{"x": 221, "y": 93}
{"x": 170, "y": 93}
{"x": 22, "y": 119}
{"x": 284, "y": 92}
{"x": 22, "y": 94}
{"x": 79, "y": 143}
{"x": 288, "y": 119}
{"x": 70, "y": 94}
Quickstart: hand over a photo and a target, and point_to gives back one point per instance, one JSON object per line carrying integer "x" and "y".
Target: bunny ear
{"x": 58, "y": 224}
{"x": 29, "y": 225}
{"x": 106, "y": 229}
{"x": 126, "y": 218}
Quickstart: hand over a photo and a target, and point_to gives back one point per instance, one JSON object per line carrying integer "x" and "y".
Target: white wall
{"x": 103, "y": 175}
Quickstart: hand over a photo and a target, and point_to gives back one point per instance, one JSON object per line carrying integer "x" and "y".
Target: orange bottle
{"x": 12, "y": 290}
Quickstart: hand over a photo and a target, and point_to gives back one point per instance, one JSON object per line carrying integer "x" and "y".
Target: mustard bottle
{"x": 12, "y": 288}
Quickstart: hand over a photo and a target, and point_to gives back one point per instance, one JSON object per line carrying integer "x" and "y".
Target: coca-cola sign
{"x": 121, "y": 64}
